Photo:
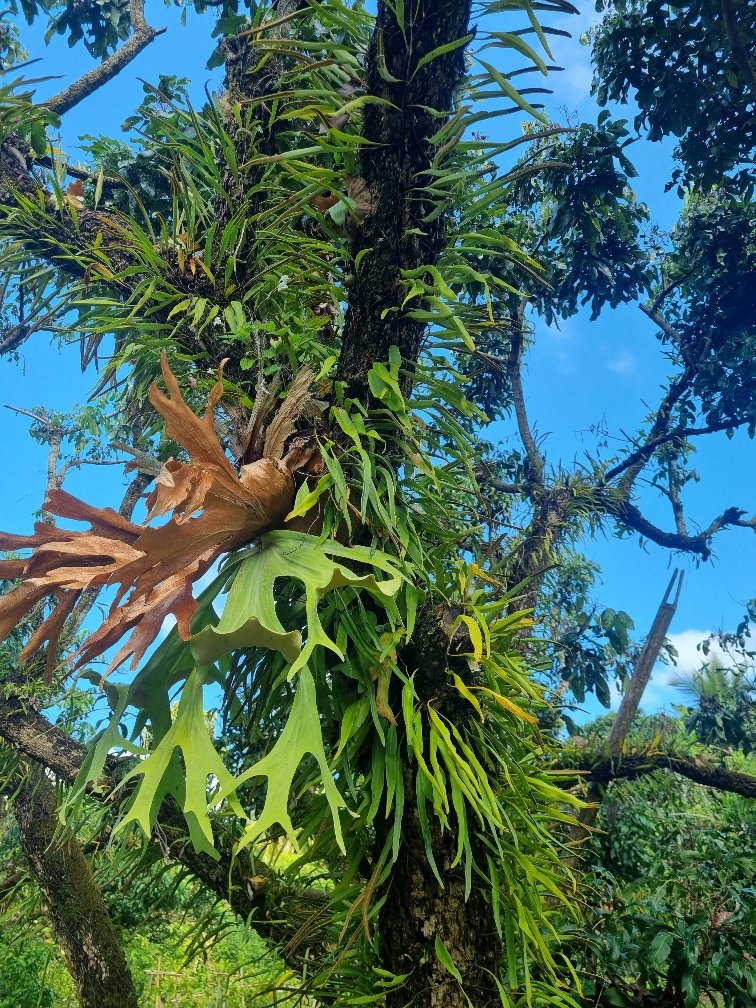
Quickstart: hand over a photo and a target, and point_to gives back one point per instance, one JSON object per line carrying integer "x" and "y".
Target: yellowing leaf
{"x": 510, "y": 706}
{"x": 468, "y": 695}
{"x": 476, "y": 637}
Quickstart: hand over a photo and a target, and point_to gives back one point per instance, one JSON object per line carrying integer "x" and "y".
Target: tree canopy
{"x": 303, "y": 301}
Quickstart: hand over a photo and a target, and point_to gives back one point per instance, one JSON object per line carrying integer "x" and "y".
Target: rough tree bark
{"x": 78, "y": 913}
{"x": 418, "y": 910}
{"x": 395, "y": 236}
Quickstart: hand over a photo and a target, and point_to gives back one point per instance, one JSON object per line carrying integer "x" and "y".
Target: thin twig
{"x": 667, "y": 290}
{"x": 646, "y": 450}
{"x": 84, "y": 174}
{"x": 34, "y": 416}
{"x": 143, "y": 462}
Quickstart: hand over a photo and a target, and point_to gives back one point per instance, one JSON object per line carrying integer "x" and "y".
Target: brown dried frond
{"x": 282, "y": 426}
{"x": 212, "y": 511}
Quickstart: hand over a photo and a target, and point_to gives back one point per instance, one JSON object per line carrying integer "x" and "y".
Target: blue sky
{"x": 579, "y": 375}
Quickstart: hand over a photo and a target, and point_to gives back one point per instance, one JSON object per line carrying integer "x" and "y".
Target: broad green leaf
{"x": 301, "y": 736}
{"x": 162, "y": 772}
{"x": 250, "y": 619}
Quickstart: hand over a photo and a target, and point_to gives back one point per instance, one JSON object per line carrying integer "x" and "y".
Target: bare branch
{"x": 84, "y": 174}
{"x": 644, "y": 452}
{"x": 664, "y": 294}
{"x": 636, "y": 685}
{"x": 659, "y": 428}
{"x": 656, "y": 316}
{"x": 143, "y": 462}
{"x": 634, "y": 690}
{"x": 92, "y": 81}
{"x": 22, "y": 412}
{"x": 699, "y": 544}
{"x": 630, "y": 767}
{"x": 483, "y": 475}
{"x": 514, "y": 371}
{"x": 672, "y": 493}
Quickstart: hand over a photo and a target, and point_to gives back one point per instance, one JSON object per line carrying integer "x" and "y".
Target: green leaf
{"x": 38, "y": 138}
{"x": 510, "y": 41}
{"x": 249, "y": 618}
{"x": 512, "y": 92}
{"x": 301, "y": 736}
{"x": 444, "y": 957}
{"x": 162, "y": 772}
{"x": 442, "y": 51}
{"x": 658, "y": 950}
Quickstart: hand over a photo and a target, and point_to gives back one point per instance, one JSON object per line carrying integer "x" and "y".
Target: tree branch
{"x": 92, "y": 81}
{"x": 658, "y": 319}
{"x": 483, "y": 475}
{"x": 80, "y": 919}
{"x": 739, "y": 51}
{"x": 699, "y": 544}
{"x": 659, "y": 428}
{"x": 644, "y": 452}
{"x": 514, "y": 371}
{"x": 84, "y": 174}
{"x": 28, "y": 731}
{"x": 143, "y": 462}
{"x": 630, "y": 767}
{"x": 635, "y": 687}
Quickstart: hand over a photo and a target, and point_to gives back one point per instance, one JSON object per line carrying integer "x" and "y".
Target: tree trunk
{"x": 418, "y": 911}
{"x": 80, "y": 920}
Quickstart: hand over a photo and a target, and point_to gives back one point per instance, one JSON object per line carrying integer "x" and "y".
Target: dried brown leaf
{"x": 357, "y": 189}
{"x": 324, "y": 203}
{"x": 212, "y": 511}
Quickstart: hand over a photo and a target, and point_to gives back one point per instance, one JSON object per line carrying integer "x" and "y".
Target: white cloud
{"x": 624, "y": 363}
{"x": 689, "y": 658}
{"x": 661, "y": 690}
